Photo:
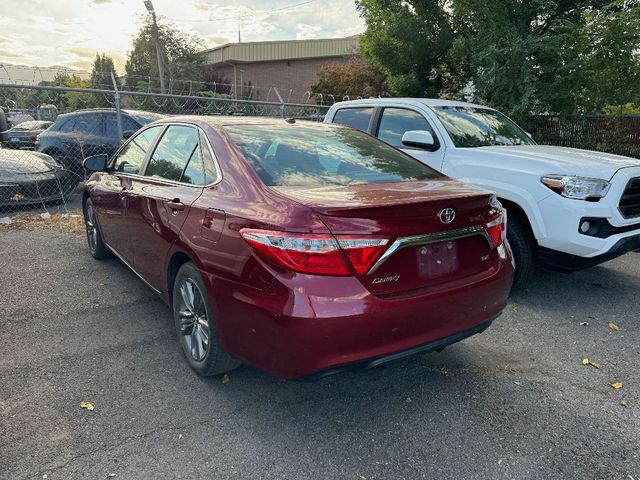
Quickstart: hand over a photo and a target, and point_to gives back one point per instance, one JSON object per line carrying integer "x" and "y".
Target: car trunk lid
{"x": 427, "y": 248}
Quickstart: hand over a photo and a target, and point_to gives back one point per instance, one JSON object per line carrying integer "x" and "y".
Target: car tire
{"x": 97, "y": 248}
{"x": 195, "y": 324}
{"x": 523, "y": 246}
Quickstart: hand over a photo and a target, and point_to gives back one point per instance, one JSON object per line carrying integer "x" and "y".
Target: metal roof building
{"x": 290, "y": 66}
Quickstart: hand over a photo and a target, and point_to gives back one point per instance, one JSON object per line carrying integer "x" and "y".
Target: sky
{"x": 69, "y": 32}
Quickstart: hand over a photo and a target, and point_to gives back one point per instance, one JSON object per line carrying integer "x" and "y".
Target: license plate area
{"x": 437, "y": 259}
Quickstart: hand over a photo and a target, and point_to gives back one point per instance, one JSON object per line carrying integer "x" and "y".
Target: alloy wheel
{"x": 193, "y": 321}
{"x": 92, "y": 229}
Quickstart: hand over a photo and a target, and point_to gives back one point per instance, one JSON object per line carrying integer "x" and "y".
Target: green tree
{"x": 548, "y": 56}
{"x": 354, "y": 78}
{"x": 614, "y": 62}
{"x": 101, "y": 71}
{"x": 101, "y": 79}
{"x": 67, "y": 101}
{"x": 180, "y": 56}
{"x": 409, "y": 41}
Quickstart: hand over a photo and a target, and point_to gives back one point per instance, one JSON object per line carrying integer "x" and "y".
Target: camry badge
{"x": 447, "y": 215}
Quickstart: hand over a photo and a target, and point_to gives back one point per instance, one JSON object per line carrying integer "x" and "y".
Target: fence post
{"x": 117, "y": 103}
{"x": 281, "y": 102}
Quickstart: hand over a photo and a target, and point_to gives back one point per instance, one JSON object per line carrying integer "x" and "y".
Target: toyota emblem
{"x": 447, "y": 215}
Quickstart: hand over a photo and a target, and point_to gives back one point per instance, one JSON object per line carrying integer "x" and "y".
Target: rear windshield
{"x": 318, "y": 155}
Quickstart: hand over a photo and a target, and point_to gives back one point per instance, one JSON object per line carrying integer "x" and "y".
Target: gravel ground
{"x": 513, "y": 403}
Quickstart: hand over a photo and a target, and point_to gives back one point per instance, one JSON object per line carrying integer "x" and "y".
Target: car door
{"x": 110, "y": 192}
{"x": 395, "y": 121}
{"x": 160, "y": 200}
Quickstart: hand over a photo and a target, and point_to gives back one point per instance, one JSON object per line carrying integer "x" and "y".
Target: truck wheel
{"x": 524, "y": 248}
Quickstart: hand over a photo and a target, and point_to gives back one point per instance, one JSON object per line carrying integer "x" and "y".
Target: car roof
{"x": 429, "y": 102}
{"x": 223, "y": 120}
{"x": 112, "y": 110}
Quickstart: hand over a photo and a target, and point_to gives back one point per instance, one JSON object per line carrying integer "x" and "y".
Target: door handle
{"x": 176, "y": 205}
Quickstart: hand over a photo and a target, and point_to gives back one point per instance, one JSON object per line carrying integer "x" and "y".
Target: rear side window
{"x": 357, "y": 118}
{"x": 310, "y": 155}
{"x": 131, "y": 157}
{"x": 67, "y": 125}
{"x": 89, "y": 124}
{"x": 210, "y": 171}
{"x": 177, "y": 156}
{"x": 396, "y": 121}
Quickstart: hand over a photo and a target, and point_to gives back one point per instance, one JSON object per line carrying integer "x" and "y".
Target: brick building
{"x": 290, "y": 66}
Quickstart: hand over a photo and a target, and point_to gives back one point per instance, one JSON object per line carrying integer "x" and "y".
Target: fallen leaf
{"x": 179, "y": 436}
{"x": 500, "y": 462}
{"x": 624, "y": 403}
{"x": 111, "y": 475}
{"x": 17, "y": 197}
{"x": 45, "y": 476}
{"x": 515, "y": 309}
{"x": 613, "y": 326}
{"x": 361, "y": 477}
{"x": 586, "y": 361}
{"x": 226, "y": 379}
{"x": 87, "y": 406}
{"x": 584, "y": 324}
{"x": 408, "y": 400}
{"x": 517, "y": 383}
{"x": 617, "y": 385}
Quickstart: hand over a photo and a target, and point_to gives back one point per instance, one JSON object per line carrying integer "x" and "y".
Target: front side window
{"x": 396, "y": 121}
{"x": 357, "y": 118}
{"x": 173, "y": 155}
{"x": 480, "y": 127}
{"x": 131, "y": 157}
{"x": 321, "y": 155}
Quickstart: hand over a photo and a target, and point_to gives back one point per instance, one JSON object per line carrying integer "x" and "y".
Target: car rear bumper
{"x": 306, "y": 325}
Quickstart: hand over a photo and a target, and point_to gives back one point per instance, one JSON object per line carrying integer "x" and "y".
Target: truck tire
{"x": 524, "y": 248}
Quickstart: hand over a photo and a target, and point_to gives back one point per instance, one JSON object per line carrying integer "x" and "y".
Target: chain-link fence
{"x": 610, "y": 134}
{"x": 46, "y": 132}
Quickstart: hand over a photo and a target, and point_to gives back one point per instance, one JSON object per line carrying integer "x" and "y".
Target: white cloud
{"x": 45, "y": 33}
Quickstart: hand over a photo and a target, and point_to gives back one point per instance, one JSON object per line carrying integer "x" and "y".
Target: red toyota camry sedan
{"x": 302, "y": 249}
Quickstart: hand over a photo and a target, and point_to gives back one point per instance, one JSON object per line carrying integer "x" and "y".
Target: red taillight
{"x": 362, "y": 252}
{"x": 321, "y": 254}
{"x": 497, "y": 229}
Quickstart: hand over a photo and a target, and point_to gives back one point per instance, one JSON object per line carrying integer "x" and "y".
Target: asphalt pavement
{"x": 513, "y": 403}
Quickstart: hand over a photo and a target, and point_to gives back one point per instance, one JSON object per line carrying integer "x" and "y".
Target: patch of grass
{"x": 67, "y": 223}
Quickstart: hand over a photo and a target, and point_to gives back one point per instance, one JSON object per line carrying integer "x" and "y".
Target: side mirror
{"x": 96, "y": 163}
{"x": 128, "y": 134}
{"x": 419, "y": 139}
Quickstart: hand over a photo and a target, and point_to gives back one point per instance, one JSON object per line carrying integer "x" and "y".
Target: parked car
{"x": 28, "y": 178}
{"x": 299, "y": 248}
{"x": 24, "y": 134}
{"x": 74, "y": 136}
{"x": 568, "y": 209}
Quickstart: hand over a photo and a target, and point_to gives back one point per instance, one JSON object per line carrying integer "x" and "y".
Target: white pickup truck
{"x": 568, "y": 209}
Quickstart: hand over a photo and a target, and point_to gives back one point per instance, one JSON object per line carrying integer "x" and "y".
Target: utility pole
{"x": 239, "y": 26}
{"x": 150, "y": 9}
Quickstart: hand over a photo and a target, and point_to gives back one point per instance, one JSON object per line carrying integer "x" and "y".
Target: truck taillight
{"x": 497, "y": 229}
{"x": 318, "y": 254}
